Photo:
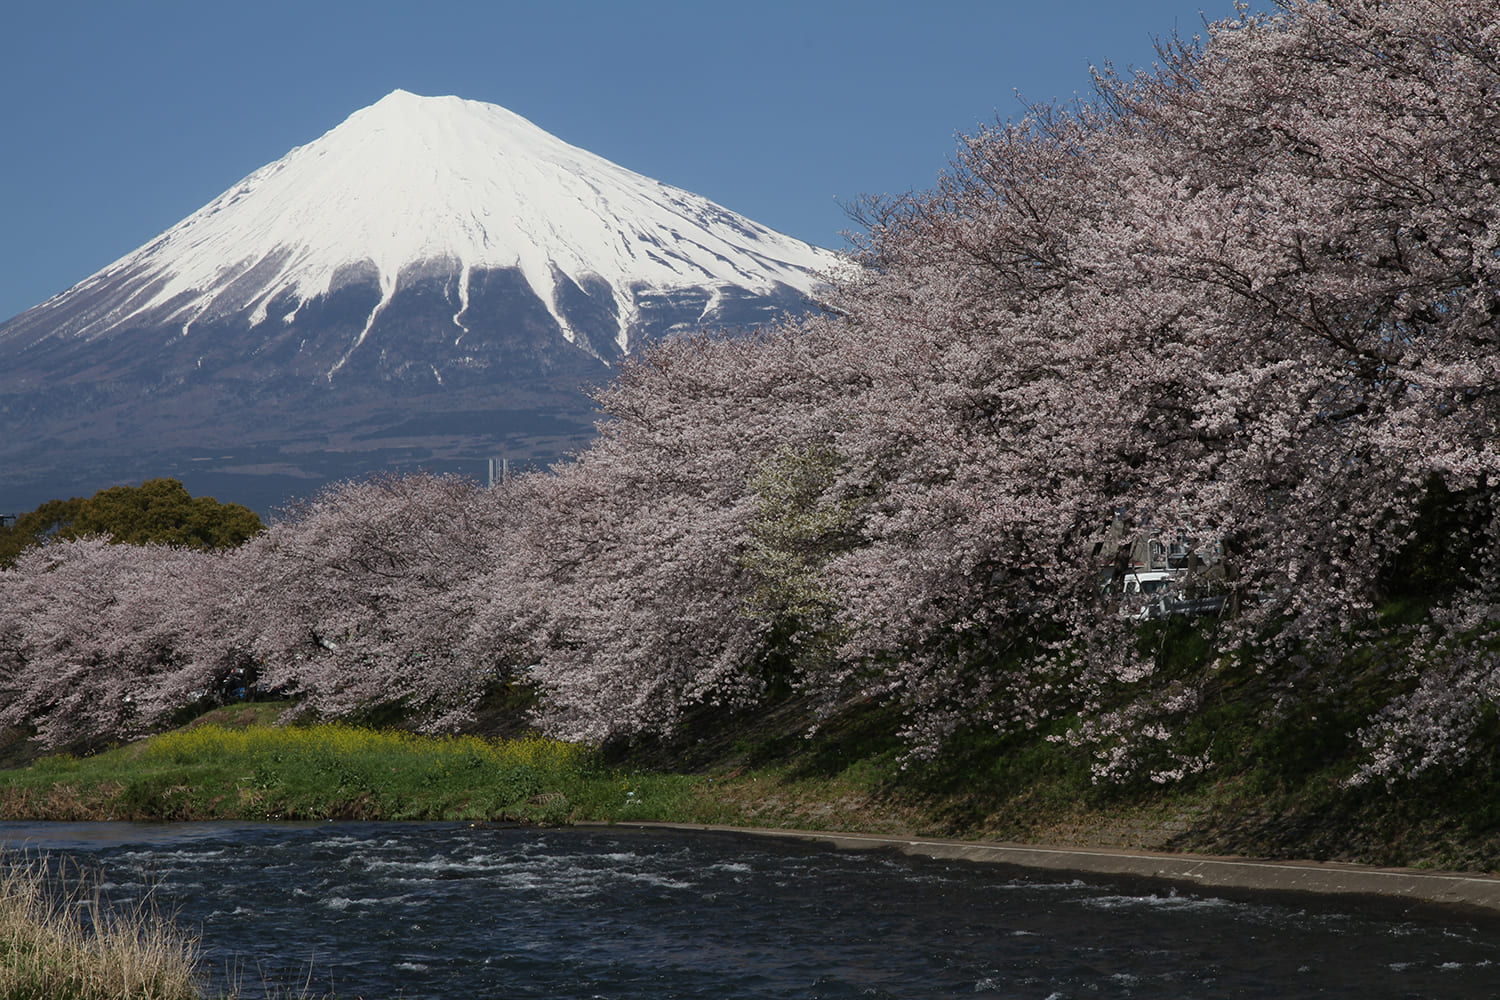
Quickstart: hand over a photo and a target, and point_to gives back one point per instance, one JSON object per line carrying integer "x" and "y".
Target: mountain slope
{"x": 429, "y": 282}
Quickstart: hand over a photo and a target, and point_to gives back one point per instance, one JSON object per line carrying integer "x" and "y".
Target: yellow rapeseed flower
{"x": 205, "y": 744}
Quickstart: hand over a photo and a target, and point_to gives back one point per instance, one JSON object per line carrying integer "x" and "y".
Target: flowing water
{"x": 447, "y": 911}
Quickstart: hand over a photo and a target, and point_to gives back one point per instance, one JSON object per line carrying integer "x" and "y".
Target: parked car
{"x": 1149, "y": 594}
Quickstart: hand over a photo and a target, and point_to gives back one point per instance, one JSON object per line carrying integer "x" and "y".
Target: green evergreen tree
{"x": 801, "y": 523}
{"x": 159, "y": 510}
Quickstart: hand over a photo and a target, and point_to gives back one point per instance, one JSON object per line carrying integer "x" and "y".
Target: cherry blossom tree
{"x": 361, "y": 599}
{"x": 627, "y": 573}
{"x": 1248, "y": 297}
{"x": 104, "y": 642}
{"x": 1326, "y": 178}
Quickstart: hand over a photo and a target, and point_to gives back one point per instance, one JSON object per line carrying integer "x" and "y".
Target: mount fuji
{"x": 430, "y": 284}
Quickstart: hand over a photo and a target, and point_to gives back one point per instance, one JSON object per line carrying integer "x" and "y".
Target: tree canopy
{"x": 158, "y": 511}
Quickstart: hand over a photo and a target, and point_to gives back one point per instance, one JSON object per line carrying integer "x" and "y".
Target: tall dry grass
{"x": 66, "y": 944}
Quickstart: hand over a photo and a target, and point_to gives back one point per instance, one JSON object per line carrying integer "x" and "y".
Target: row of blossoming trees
{"x": 1248, "y": 296}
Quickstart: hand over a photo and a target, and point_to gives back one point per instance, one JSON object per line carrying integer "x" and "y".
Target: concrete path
{"x": 1326, "y": 878}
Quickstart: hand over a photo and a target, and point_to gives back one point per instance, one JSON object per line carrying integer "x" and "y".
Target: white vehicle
{"x": 1150, "y": 594}
{"x": 1145, "y": 594}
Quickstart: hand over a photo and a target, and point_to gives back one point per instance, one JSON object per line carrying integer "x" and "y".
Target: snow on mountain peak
{"x": 459, "y": 184}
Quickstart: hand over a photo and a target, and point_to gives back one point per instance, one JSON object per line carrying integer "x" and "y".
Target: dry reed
{"x": 67, "y": 944}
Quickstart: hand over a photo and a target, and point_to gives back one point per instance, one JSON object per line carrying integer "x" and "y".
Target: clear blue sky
{"x": 120, "y": 117}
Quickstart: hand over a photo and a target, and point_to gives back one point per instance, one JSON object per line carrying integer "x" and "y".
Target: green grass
{"x": 329, "y": 771}
{"x": 234, "y": 765}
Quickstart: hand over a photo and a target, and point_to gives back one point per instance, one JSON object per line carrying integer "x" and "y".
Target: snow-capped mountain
{"x": 426, "y": 277}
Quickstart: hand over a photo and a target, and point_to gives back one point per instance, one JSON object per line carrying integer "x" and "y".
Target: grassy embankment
{"x": 251, "y": 770}
{"x": 1275, "y": 791}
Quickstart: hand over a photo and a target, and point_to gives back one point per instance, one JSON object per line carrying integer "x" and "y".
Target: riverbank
{"x": 1450, "y": 889}
{"x": 848, "y": 780}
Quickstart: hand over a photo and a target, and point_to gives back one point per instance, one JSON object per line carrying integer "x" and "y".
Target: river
{"x": 447, "y": 911}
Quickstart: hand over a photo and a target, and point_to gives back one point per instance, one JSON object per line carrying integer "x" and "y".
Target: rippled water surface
{"x": 447, "y": 911}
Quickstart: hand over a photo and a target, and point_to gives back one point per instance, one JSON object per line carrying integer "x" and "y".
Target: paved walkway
{"x": 1328, "y": 878}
